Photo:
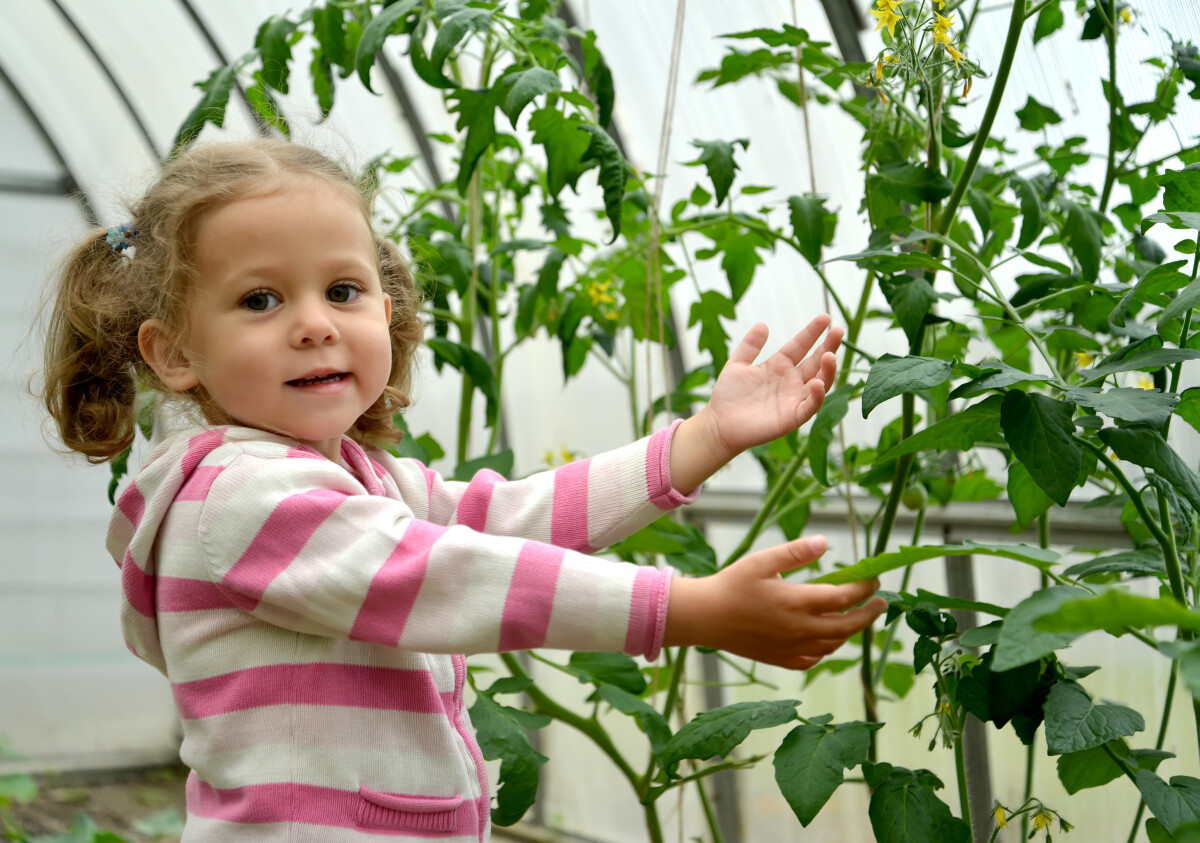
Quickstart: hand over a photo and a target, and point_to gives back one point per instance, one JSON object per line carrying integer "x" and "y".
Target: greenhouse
{"x": 939, "y": 578}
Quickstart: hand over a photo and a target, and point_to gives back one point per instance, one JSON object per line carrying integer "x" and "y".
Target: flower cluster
{"x": 915, "y": 53}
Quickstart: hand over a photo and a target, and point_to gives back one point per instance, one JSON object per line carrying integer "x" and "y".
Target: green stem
{"x": 960, "y": 768}
{"x": 643, "y": 785}
{"x": 772, "y": 501}
{"x": 466, "y": 327}
{"x": 989, "y": 116}
{"x": 1134, "y": 496}
{"x": 1110, "y": 174}
{"x": 1158, "y": 744}
{"x": 709, "y": 814}
{"x": 1120, "y": 763}
{"x": 885, "y": 652}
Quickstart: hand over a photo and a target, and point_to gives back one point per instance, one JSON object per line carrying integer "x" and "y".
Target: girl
{"x": 307, "y": 595}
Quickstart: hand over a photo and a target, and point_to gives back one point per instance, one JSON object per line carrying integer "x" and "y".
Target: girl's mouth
{"x": 335, "y": 377}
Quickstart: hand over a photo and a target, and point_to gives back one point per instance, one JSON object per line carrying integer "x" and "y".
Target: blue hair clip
{"x": 119, "y": 236}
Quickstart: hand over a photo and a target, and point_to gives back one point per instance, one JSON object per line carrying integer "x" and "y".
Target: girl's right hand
{"x": 748, "y": 609}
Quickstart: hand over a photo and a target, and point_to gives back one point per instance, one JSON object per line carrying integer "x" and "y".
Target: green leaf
{"x": 599, "y": 79}
{"x": 1154, "y": 358}
{"x": 453, "y": 29}
{"x": 390, "y": 19}
{"x": 1095, "y": 767}
{"x": 1026, "y": 496}
{"x": 873, "y": 566}
{"x": 740, "y": 247}
{"x": 905, "y": 809}
{"x": 500, "y": 463}
{"x": 615, "y": 669}
{"x": 477, "y": 114}
{"x": 265, "y": 106}
{"x": 1032, "y": 220}
{"x": 1186, "y": 301}
{"x": 500, "y": 731}
{"x": 1139, "y": 563}
{"x": 274, "y": 45}
{"x": 912, "y": 299}
{"x": 565, "y": 143}
{"x": 1114, "y": 610}
{"x": 165, "y": 823}
{"x": 603, "y": 150}
{"x": 329, "y": 28}
{"x": 1181, "y": 190}
{"x": 1050, "y": 20}
{"x": 1074, "y": 722}
{"x": 719, "y": 731}
{"x": 19, "y": 788}
{"x": 683, "y": 545}
{"x": 1174, "y": 804}
{"x": 1145, "y": 447}
{"x": 913, "y": 183}
{"x": 812, "y": 225}
{"x": 1082, "y": 235}
{"x": 708, "y": 312}
{"x": 210, "y": 109}
{"x": 1127, "y": 404}
{"x": 1019, "y": 642}
{"x": 1161, "y": 279}
{"x": 958, "y": 432}
{"x": 321, "y": 72}
{"x": 810, "y": 761}
{"x": 1175, "y": 219}
{"x": 473, "y": 364}
{"x": 1189, "y": 668}
{"x": 820, "y": 434}
{"x": 647, "y": 717}
{"x": 1188, "y": 408}
{"x": 1035, "y": 116}
{"x": 995, "y": 375}
{"x": 1039, "y": 430}
{"x": 528, "y": 85}
{"x": 891, "y": 376}
{"x": 717, "y": 158}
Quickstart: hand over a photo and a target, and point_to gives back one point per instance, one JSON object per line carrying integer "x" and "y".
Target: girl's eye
{"x": 260, "y": 301}
{"x": 342, "y": 293}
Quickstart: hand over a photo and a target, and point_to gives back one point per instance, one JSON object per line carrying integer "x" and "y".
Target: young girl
{"x": 307, "y": 595}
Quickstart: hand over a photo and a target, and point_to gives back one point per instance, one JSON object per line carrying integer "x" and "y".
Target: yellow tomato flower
{"x": 548, "y": 457}
{"x": 887, "y": 18}
{"x": 941, "y": 29}
{"x": 888, "y": 5}
{"x": 1083, "y": 359}
{"x": 879, "y": 69}
{"x": 1125, "y": 15}
{"x": 598, "y": 292}
{"x": 1000, "y": 816}
{"x": 941, "y": 4}
{"x": 566, "y": 455}
{"x": 955, "y": 54}
{"x": 1041, "y": 820}
{"x": 1143, "y": 381}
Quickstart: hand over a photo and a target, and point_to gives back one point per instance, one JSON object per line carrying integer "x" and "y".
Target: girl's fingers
{"x": 816, "y": 361}
{"x": 848, "y": 623}
{"x": 799, "y": 345}
{"x": 751, "y": 346}
{"x": 825, "y": 599}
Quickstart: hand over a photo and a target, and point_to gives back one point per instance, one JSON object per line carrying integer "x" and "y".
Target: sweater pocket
{"x": 407, "y": 813}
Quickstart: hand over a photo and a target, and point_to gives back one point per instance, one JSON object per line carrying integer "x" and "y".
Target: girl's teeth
{"x": 321, "y": 379}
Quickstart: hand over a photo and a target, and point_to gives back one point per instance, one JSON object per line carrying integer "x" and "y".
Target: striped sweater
{"x": 311, "y": 617}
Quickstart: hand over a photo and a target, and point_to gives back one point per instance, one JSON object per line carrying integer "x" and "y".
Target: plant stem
{"x": 1110, "y": 173}
{"x": 989, "y": 116}
{"x": 885, "y": 652}
{"x": 643, "y": 784}
{"x": 709, "y": 814}
{"x": 772, "y": 501}
{"x": 960, "y": 768}
{"x": 467, "y": 326}
{"x": 1158, "y": 744}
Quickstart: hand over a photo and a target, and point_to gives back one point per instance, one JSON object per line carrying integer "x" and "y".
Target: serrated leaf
{"x": 1039, "y": 430}
{"x": 329, "y": 28}
{"x": 1174, "y": 219}
{"x": 389, "y": 20}
{"x": 651, "y": 722}
{"x": 891, "y": 376}
{"x": 1155, "y": 358}
{"x": 274, "y": 45}
{"x": 615, "y": 669}
{"x": 1186, "y": 301}
{"x": 996, "y": 375}
{"x": 1114, "y": 610}
{"x": 812, "y": 225}
{"x": 1032, "y": 220}
{"x": 1026, "y": 496}
{"x": 210, "y": 109}
{"x": 1174, "y": 804}
{"x": 1095, "y": 767}
{"x": 1073, "y": 722}
{"x": 1181, "y": 190}
{"x": 1145, "y": 447}
{"x": 1034, "y": 116}
{"x": 912, "y": 299}
{"x": 1128, "y": 404}
{"x": 718, "y": 161}
{"x": 321, "y": 72}
{"x": 454, "y": 29}
{"x": 958, "y": 432}
{"x": 565, "y": 143}
{"x": 873, "y": 566}
{"x": 810, "y": 761}
{"x": 1049, "y": 21}
{"x": 500, "y": 731}
{"x": 820, "y": 434}
{"x": 1188, "y": 407}
{"x": 708, "y": 312}
{"x": 905, "y": 809}
{"x": 1135, "y": 562}
{"x": 477, "y": 115}
{"x": 1019, "y": 643}
{"x": 719, "y": 731}
{"x": 604, "y": 151}
{"x": 599, "y": 79}
{"x": 914, "y": 183}
{"x": 527, "y": 85}
{"x": 1083, "y": 237}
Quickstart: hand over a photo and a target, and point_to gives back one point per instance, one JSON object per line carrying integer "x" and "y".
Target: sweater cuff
{"x": 658, "y": 470}
{"x": 648, "y": 612}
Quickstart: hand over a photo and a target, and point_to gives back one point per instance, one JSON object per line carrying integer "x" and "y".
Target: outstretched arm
{"x": 749, "y": 610}
{"x": 752, "y": 405}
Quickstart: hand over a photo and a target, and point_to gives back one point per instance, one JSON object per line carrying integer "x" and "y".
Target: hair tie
{"x": 119, "y": 237}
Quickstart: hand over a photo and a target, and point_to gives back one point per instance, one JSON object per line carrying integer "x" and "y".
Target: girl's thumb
{"x": 793, "y": 554}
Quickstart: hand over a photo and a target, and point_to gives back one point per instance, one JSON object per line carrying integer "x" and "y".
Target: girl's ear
{"x": 162, "y": 351}
{"x": 387, "y": 308}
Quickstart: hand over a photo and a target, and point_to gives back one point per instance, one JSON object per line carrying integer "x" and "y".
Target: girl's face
{"x": 288, "y": 324}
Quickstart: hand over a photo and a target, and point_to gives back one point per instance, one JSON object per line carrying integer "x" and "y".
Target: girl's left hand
{"x": 752, "y": 405}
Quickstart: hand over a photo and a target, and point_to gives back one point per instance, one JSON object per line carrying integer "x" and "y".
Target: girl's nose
{"x": 313, "y": 324}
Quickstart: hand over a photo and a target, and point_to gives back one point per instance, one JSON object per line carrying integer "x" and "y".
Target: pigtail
{"x": 91, "y": 353}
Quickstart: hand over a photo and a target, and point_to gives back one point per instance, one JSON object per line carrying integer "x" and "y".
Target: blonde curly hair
{"x": 93, "y": 368}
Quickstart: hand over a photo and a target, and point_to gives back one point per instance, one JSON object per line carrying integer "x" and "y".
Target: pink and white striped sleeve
{"x": 584, "y": 506}
{"x": 296, "y": 544}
